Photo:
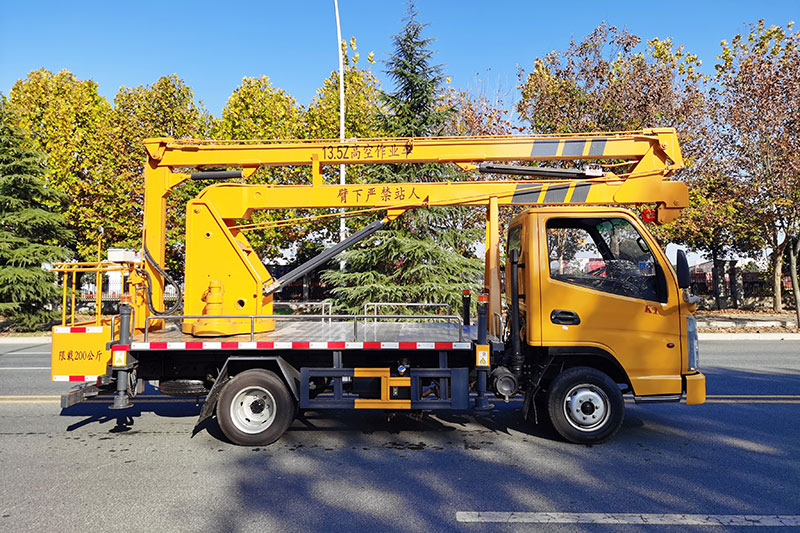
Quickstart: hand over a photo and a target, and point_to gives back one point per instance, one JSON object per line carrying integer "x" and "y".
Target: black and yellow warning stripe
{"x": 569, "y": 147}
{"x": 555, "y": 193}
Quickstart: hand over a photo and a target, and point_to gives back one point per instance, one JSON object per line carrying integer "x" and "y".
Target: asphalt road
{"x": 88, "y": 468}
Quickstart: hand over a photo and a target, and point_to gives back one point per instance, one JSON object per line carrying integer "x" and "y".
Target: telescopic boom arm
{"x": 647, "y": 157}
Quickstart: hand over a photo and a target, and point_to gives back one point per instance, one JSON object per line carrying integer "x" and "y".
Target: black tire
{"x": 255, "y": 408}
{"x": 585, "y": 405}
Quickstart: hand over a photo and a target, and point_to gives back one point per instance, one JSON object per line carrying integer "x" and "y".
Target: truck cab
{"x": 597, "y": 294}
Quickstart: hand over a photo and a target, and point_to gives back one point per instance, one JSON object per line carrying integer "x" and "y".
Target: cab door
{"x": 605, "y": 284}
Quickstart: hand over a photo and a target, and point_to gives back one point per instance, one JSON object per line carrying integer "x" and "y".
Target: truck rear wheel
{"x": 585, "y": 405}
{"x": 255, "y": 408}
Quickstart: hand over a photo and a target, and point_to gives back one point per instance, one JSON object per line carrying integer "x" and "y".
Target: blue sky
{"x": 212, "y": 45}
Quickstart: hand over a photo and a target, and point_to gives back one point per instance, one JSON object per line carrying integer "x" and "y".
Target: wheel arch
{"x": 566, "y": 357}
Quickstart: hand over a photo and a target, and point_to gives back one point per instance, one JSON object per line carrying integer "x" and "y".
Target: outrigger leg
{"x": 121, "y": 364}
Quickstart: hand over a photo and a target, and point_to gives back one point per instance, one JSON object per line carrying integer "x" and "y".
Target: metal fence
{"x": 753, "y": 284}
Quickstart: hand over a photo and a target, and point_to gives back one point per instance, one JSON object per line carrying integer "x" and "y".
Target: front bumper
{"x": 694, "y": 385}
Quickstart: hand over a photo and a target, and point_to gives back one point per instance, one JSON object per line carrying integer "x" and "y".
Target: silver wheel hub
{"x": 253, "y": 410}
{"x": 586, "y": 407}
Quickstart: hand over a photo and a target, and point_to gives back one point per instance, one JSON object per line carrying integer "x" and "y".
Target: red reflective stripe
{"x": 269, "y": 345}
{"x": 77, "y": 378}
{"x": 77, "y": 330}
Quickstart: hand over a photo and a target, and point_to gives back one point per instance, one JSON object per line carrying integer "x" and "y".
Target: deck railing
{"x": 355, "y": 318}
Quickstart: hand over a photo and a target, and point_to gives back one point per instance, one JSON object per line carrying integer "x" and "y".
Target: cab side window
{"x": 514, "y": 240}
{"x": 605, "y": 254}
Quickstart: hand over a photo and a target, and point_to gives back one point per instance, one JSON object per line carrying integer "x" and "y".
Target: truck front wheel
{"x": 585, "y": 405}
{"x": 255, "y": 408}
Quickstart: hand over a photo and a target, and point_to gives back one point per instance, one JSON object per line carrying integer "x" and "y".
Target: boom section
{"x": 642, "y": 161}
{"x": 237, "y": 201}
{"x": 654, "y": 150}
{"x": 648, "y": 156}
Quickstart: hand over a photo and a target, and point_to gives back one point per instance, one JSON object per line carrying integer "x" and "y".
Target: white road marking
{"x": 24, "y": 368}
{"x": 26, "y": 353}
{"x": 631, "y": 518}
{"x": 139, "y": 397}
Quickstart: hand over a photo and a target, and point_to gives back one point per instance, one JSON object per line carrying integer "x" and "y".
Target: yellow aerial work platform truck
{"x": 593, "y": 309}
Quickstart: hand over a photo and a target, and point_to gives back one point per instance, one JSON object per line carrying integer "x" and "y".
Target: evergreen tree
{"x": 30, "y": 232}
{"x": 427, "y": 254}
{"x": 413, "y": 108}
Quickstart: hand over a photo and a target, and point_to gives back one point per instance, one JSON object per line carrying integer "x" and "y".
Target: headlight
{"x": 694, "y": 345}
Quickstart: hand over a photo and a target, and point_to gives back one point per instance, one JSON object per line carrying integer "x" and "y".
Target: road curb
{"x": 749, "y": 336}
{"x": 25, "y": 340}
{"x": 745, "y": 323}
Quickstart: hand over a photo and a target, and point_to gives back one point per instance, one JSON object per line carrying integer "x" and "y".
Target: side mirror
{"x": 684, "y": 280}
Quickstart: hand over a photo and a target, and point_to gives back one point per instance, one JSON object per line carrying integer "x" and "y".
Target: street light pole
{"x": 341, "y": 114}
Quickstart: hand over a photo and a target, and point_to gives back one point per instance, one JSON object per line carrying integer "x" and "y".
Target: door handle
{"x": 567, "y": 318}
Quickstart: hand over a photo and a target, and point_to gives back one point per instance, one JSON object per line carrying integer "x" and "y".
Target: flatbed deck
{"x": 341, "y": 335}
